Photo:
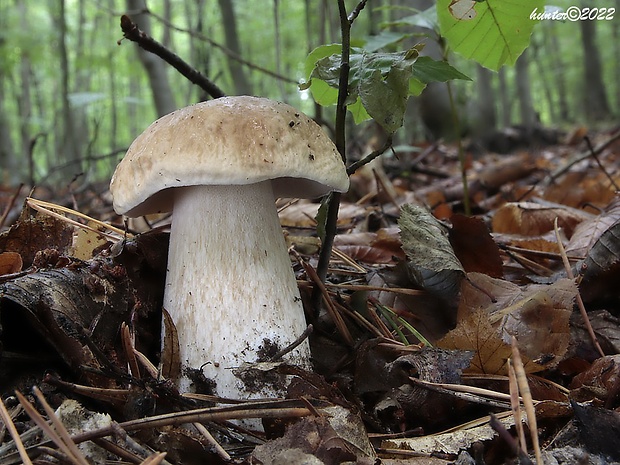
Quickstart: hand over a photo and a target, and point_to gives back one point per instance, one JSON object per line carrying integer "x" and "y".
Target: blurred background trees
{"x": 72, "y": 99}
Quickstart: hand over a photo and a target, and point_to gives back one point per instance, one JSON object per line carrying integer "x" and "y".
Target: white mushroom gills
{"x": 230, "y": 289}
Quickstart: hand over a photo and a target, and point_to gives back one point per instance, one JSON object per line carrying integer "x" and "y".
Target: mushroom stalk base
{"x": 230, "y": 289}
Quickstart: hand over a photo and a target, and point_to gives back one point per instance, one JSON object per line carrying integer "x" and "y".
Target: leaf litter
{"x": 427, "y": 300}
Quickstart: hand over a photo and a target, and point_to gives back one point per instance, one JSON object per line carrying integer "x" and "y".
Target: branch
{"x": 331, "y": 221}
{"x": 226, "y": 51}
{"x": 133, "y": 33}
{"x": 370, "y": 157}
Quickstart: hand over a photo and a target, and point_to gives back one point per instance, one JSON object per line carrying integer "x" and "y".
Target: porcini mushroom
{"x": 230, "y": 289}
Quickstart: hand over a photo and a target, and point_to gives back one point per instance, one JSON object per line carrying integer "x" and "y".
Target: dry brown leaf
{"x": 474, "y": 246}
{"x": 532, "y": 219}
{"x": 380, "y": 247}
{"x": 475, "y": 333}
{"x": 601, "y": 268}
{"x": 10, "y": 262}
{"x": 301, "y": 215}
{"x": 578, "y": 188}
{"x": 507, "y": 170}
{"x": 588, "y": 232}
{"x": 493, "y": 310}
{"x": 34, "y": 233}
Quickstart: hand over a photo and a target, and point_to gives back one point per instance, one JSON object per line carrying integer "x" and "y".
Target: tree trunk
{"x": 277, "y": 45}
{"x": 24, "y": 98}
{"x": 556, "y": 56}
{"x": 68, "y": 146}
{"x": 231, "y": 38}
{"x": 595, "y": 104}
{"x": 10, "y": 173}
{"x": 163, "y": 98}
{"x": 484, "y": 119}
{"x": 524, "y": 92}
{"x": 505, "y": 105}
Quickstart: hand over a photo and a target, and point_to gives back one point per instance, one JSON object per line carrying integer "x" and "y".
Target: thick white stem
{"x": 230, "y": 289}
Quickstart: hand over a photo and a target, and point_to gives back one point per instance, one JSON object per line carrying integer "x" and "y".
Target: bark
{"x": 231, "y": 39}
{"x": 596, "y": 105}
{"x": 156, "y": 70}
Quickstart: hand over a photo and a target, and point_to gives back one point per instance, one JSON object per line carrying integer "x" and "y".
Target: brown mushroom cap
{"x": 227, "y": 141}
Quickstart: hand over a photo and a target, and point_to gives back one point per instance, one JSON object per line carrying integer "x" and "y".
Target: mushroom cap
{"x": 227, "y": 141}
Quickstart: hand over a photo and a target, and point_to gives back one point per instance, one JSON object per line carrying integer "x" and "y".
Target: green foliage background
{"x": 112, "y": 99}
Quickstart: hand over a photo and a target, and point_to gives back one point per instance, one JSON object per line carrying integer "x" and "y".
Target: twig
{"x": 294, "y": 344}
{"x": 524, "y": 391}
{"x": 8, "y": 423}
{"x": 580, "y": 304}
{"x": 133, "y": 33}
{"x": 211, "y": 440}
{"x": 594, "y": 155}
{"x": 6, "y": 211}
{"x": 324, "y": 294}
{"x": 515, "y": 403}
{"x": 370, "y": 157}
{"x": 331, "y": 222}
{"x": 49, "y": 209}
{"x": 225, "y": 50}
{"x": 582, "y": 156}
{"x": 58, "y": 434}
{"x": 504, "y": 434}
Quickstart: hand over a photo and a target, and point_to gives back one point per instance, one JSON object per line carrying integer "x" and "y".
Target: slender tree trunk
{"x": 163, "y": 98}
{"x": 524, "y": 92}
{"x": 24, "y": 98}
{"x": 231, "y": 38}
{"x": 556, "y": 56}
{"x": 543, "y": 78}
{"x": 277, "y": 45}
{"x": 68, "y": 146}
{"x": 9, "y": 170}
{"x": 596, "y": 104}
{"x": 505, "y": 106}
{"x": 486, "y": 112}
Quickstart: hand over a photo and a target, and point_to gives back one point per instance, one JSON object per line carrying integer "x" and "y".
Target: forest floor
{"x": 486, "y": 338}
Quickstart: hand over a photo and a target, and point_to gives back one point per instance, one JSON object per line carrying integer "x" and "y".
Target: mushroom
{"x": 230, "y": 289}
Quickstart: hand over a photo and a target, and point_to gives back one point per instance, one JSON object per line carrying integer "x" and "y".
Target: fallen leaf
{"x": 588, "y": 232}
{"x": 34, "y": 233}
{"x": 338, "y": 436}
{"x": 532, "y": 219}
{"x": 473, "y": 245}
{"x": 10, "y": 262}
{"x": 432, "y": 263}
{"x": 494, "y": 310}
{"x": 600, "y": 269}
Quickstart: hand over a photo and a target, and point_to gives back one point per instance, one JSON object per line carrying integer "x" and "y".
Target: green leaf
{"x": 428, "y": 70}
{"x": 383, "y": 39}
{"x": 491, "y": 32}
{"x": 426, "y": 19}
{"x": 379, "y": 83}
{"x": 321, "y": 91}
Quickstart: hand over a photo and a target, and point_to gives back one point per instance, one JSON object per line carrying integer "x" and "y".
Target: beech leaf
{"x": 493, "y": 310}
{"x": 432, "y": 262}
